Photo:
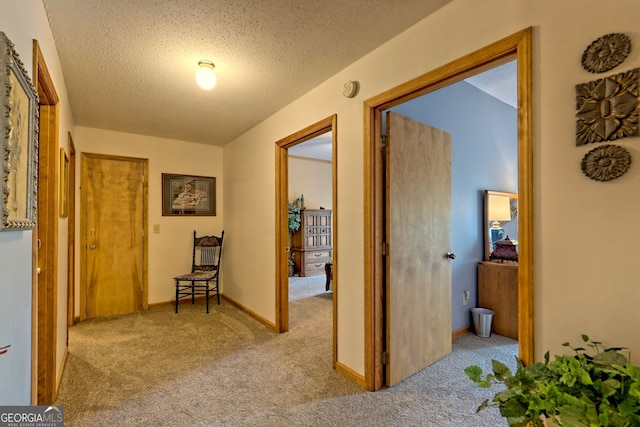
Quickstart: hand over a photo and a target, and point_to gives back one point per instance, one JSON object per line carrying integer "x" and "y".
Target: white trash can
{"x": 482, "y": 318}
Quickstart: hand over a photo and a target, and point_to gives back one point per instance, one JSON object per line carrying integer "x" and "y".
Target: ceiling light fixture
{"x": 205, "y": 76}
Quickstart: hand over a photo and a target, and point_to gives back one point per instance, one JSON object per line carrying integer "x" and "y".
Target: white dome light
{"x": 205, "y": 76}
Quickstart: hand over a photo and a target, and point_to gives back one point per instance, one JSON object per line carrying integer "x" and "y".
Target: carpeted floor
{"x": 305, "y": 287}
{"x": 158, "y": 368}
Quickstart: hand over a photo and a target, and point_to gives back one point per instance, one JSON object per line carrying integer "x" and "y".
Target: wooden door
{"x": 418, "y": 279}
{"x": 112, "y": 191}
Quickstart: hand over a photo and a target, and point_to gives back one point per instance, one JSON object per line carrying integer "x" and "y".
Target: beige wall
{"x": 169, "y": 250}
{"x": 312, "y": 178}
{"x": 585, "y": 232}
{"x": 23, "y": 22}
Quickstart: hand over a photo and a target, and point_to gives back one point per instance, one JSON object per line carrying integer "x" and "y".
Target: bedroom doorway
{"x": 310, "y": 213}
{"x": 327, "y": 128}
{"x": 516, "y": 46}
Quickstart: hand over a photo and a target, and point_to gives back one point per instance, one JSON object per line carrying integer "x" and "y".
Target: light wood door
{"x": 112, "y": 234}
{"x": 418, "y": 279}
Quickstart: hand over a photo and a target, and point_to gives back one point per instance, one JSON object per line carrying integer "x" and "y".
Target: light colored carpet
{"x": 158, "y": 368}
{"x": 304, "y": 287}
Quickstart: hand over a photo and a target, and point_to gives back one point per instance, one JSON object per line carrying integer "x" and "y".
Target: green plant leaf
{"x": 474, "y": 373}
{"x": 590, "y": 388}
{"x": 484, "y": 405}
{"x": 500, "y": 369}
{"x": 610, "y": 387}
{"x": 610, "y": 358}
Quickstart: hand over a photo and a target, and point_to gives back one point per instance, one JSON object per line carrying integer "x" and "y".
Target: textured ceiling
{"x": 129, "y": 65}
{"x": 319, "y": 147}
{"x": 500, "y": 82}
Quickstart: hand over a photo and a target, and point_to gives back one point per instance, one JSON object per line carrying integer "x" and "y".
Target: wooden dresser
{"x": 311, "y": 244}
{"x": 498, "y": 291}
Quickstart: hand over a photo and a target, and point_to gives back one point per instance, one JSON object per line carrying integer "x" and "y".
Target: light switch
{"x": 156, "y": 228}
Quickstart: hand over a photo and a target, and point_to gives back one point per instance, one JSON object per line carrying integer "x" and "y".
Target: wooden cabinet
{"x": 498, "y": 291}
{"x": 312, "y": 243}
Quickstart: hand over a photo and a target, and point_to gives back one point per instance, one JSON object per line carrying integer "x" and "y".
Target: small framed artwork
{"x": 188, "y": 195}
{"x": 19, "y": 130}
{"x": 64, "y": 183}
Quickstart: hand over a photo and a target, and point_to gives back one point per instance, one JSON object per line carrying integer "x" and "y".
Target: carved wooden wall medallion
{"x": 606, "y": 162}
{"x": 607, "y": 108}
{"x": 606, "y": 52}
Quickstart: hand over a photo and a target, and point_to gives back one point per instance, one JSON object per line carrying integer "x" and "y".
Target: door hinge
{"x": 383, "y": 141}
{"x": 384, "y": 357}
{"x": 383, "y": 248}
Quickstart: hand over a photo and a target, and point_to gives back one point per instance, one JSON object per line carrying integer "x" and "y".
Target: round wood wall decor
{"x": 606, "y": 52}
{"x": 606, "y": 162}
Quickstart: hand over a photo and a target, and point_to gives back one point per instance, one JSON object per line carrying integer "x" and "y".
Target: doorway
{"x": 310, "y": 217}
{"x": 113, "y": 261}
{"x": 517, "y": 46}
{"x": 283, "y": 249}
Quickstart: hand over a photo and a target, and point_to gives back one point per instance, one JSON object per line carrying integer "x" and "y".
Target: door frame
{"x": 45, "y": 240}
{"x": 71, "y": 229}
{"x": 145, "y": 236}
{"x": 282, "y": 223}
{"x": 516, "y": 46}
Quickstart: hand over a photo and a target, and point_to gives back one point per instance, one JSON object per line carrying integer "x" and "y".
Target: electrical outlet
{"x": 465, "y": 297}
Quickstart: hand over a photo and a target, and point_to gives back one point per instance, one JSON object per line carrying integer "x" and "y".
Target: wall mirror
{"x": 500, "y": 219}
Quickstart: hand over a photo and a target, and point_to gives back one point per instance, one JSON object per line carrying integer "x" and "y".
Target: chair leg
{"x": 328, "y": 270}
{"x": 193, "y": 292}
{"x": 207, "y": 293}
{"x": 177, "y": 287}
{"x": 218, "y": 291}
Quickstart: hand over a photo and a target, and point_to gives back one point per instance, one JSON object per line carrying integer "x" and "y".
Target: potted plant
{"x": 599, "y": 389}
{"x": 294, "y": 225}
{"x": 294, "y": 217}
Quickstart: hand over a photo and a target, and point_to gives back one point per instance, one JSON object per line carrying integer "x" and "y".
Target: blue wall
{"x": 484, "y": 157}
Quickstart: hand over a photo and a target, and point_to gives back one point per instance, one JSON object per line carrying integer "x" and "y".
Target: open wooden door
{"x": 418, "y": 276}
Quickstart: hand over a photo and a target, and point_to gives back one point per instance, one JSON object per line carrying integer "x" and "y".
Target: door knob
{"x": 450, "y": 255}
{"x": 92, "y": 247}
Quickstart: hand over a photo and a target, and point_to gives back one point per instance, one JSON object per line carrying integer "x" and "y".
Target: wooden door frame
{"x": 517, "y": 46}
{"x": 282, "y": 223}
{"x": 71, "y": 229}
{"x": 145, "y": 222}
{"x": 45, "y": 235}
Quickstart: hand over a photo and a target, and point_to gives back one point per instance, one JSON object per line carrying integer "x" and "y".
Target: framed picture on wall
{"x": 188, "y": 195}
{"x": 18, "y": 115}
